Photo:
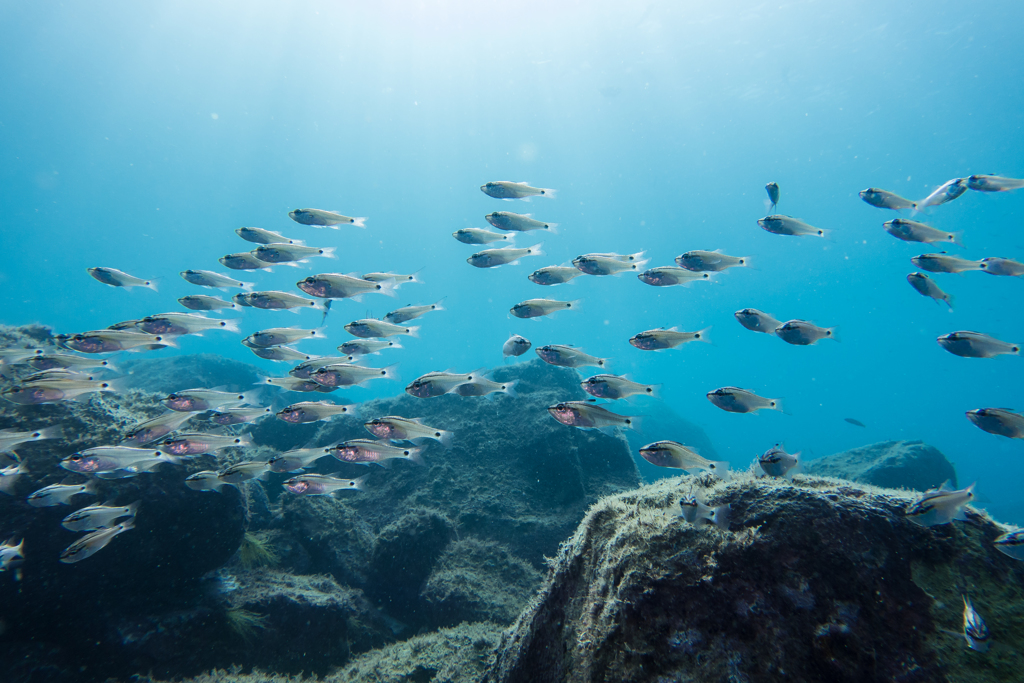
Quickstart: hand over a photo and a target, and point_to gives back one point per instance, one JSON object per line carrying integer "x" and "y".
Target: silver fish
{"x": 492, "y": 258}
{"x": 242, "y": 472}
{"x": 198, "y": 443}
{"x": 9, "y": 477}
{"x": 736, "y": 400}
{"x": 370, "y": 328}
{"x": 710, "y": 261}
{"x": 309, "y": 411}
{"x": 109, "y": 458}
{"x": 298, "y": 384}
{"x": 435, "y": 384}
{"x": 506, "y": 189}
{"x": 480, "y": 236}
{"x": 237, "y": 416}
{"x": 611, "y": 264}
{"x": 346, "y": 374}
{"x": 109, "y": 341}
{"x": 1011, "y": 543}
{"x": 243, "y": 261}
{"x": 785, "y": 225}
{"x": 534, "y": 308}
{"x": 398, "y": 278}
{"x": 59, "y": 494}
{"x": 90, "y": 544}
{"x": 52, "y": 361}
{"x": 659, "y": 339}
{"x": 339, "y": 286}
{"x": 12, "y": 438}
{"x": 976, "y": 633}
{"x": 946, "y": 192}
{"x": 96, "y": 517}
{"x": 319, "y": 218}
{"x": 295, "y": 460}
{"x": 407, "y": 313}
{"x": 184, "y": 323}
{"x": 157, "y": 428}
{"x": 614, "y": 387}
{"x": 198, "y": 400}
{"x": 290, "y": 253}
{"x": 53, "y": 391}
{"x": 668, "y": 276}
{"x": 944, "y": 263}
{"x": 941, "y": 505}
{"x": 204, "y": 481}
{"x": 773, "y": 194}
{"x": 482, "y": 386}
{"x": 803, "y": 333}
{"x": 517, "y": 222}
{"x": 998, "y": 421}
{"x": 993, "y": 183}
{"x": 208, "y": 278}
{"x": 367, "y": 347}
{"x": 912, "y": 231}
{"x": 322, "y": 485}
{"x": 201, "y": 302}
{"x": 279, "y": 336}
{"x": 675, "y": 455}
{"x": 306, "y": 369}
{"x": 366, "y": 451}
{"x": 757, "y": 321}
{"x": 694, "y": 511}
{"x": 515, "y": 345}
{"x": 994, "y": 265}
{"x": 776, "y": 462}
{"x": 261, "y": 236}
{"x": 976, "y": 345}
{"x": 276, "y": 301}
{"x": 925, "y": 286}
{"x": 568, "y": 357}
{"x": 883, "y": 199}
{"x": 11, "y": 555}
{"x": 397, "y": 428}
{"x": 586, "y": 415}
{"x": 280, "y": 353}
{"x": 119, "y": 278}
{"x": 554, "y": 275}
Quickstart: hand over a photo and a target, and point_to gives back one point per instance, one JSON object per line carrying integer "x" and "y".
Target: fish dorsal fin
{"x": 68, "y": 481}
{"x": 947, "y": 486}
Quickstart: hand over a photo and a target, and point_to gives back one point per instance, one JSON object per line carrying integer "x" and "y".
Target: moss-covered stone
{"x": 890, "y": 464}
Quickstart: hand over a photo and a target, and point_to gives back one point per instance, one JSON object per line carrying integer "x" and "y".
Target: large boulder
{"x": 890, "y": 464}
{"x": 818, "y": 580}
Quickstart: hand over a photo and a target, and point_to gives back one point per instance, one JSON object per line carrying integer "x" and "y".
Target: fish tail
{"x": 510, "y": 388}
{"x": 548, "y": 192}
{"x": 746, "y": 263}
{"x": 413, "y": 331}
{"x": 247, "y": 286}
{"x": 720, "y": 468}
{"x": 535, "y": 250}
{"x": 230, "y": 325}
{"x": 446, "y": 438}
{"x": 149, "y": 284}
{"x": 358, "y": 222}
{"x": 391, "y": 372}
{"x": 633, "y": 422}
{"x": 957, "y": 238}
{"x": 776, "y": 404}
{"x": 414, "y": 455}
{"x": 832, "y": 333}
{"x": 722, "y": 516}
{"x": 327, "y": 252}
{"x": 702, "y": 335}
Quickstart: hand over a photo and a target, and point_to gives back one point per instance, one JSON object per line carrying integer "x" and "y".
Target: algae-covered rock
{"x": 890, "y": 464}
{"x": 818, "y": 580}
{"x": 189, "y": 371}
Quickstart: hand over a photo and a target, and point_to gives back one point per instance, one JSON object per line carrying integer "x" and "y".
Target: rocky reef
{"x": 889, "y": 464}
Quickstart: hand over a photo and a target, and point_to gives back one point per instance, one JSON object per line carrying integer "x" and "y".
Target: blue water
{"x": 140, "y": 135}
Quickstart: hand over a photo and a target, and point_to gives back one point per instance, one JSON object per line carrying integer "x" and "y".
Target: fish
{"x": 492, "y": 258}
{"x": 367, "y": 347}
{"x": 515, "y": 345}
{"x": 280, "y": 353}
{"x": 506, "y": 189}
{"x": 12, "y": 438}
{"x": 109, "y": 341}
{"x": 517, "y": 222}
{"x": 883, "y": 199}
{"x": 339, "y": 286}
{"x": 110, "y": 458}
{"x": 668, "y": 276}
{"x": 346, "y": 374}
{"x": 201, "y": 302}
{"x": 993, "y": 183}
{"x": 96, "y": 517}
{"x": 52, "y": 391}
{"x": 59, "y": 494}
{"x": 609, "y": 264}
{"x": 168, "y": 324}
{"x": 1000, "y": 421}
{"x": 660, "y": 339}
{"x": 976, "y": 633}
{"x": 395, "y": 428}
{"x": 295, "y": 460}
{"x": 912, "y": 231}
{"x": 276, "y": 301}
{"x": 198, "y": 400}
{"x": 53, "y": 361}
{"x": 976, "y": 345}
{"x": 151, "y": 430}
{"x": 129, "y": 325}
{"x": 407, "y": 313}
{"x": 480, "y": 236}
{"x": 994, "y": 265}
{"x": 12, "y": 554}
{"x": 925, "y": 286}
{"x": 568, "y": 357}
{"x": 90, "y": 544}
{"x": 208, "y": 278}
{"x": 736, "y": 400}
{"x": 776, "y": 462}
{"x": 319, "y": 218}
{"x": 694, "y": 511}
{"x": 241, "y": 472}
{"x": 675, "y": 455}
{"x": 554, "y": 275}
{"x": 366, "y": 451}
{"x": 944, "y": 263}
{"x": 322, "y": 485}
{"x": 773, "y": 194}
{"x": 534, "y": 308}
{"x": 261, "y": 236}
{"x": 1011, "y": 543}
{"x": 710, "y": 261}
{"x": 757, "y": 321}
{"x": 298, "y": 384}
{"x": 803, "y": 333}
{"x": 9, "y": 476}
{"x": 398, "y": 278}
{"x": 785, "y": 225}
{"x": 614, "y": 387}
{"x": 941, "y": 505}
{"x": 856, "y": 423}
{"x": 243, "y": 261}
{"x": 371, "y": 328}
{"x": 198, "y": 443}
{"x": 482, "y": 386}
{"x": 279, "y": 336}
{"x": 237, "y": 416}
{"x": 290, "y": 253}
{"x": 204, "y": 481}
{"x": 306, "y": 369}
{"x": 586, "y": 415}
{"x": 435, "y": 384}
{"x": 309, "y": 411}
{"x": 946, "y": 192}
{"x": 119, "y": 278}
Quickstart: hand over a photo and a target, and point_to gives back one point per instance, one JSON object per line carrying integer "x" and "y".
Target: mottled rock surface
{"x": 818, "y": 580}
{"x": 890, "y": 464}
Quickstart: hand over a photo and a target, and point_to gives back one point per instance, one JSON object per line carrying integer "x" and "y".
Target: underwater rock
{"x": 818, "y": 580}
{"x": 890, "y": 464}
{"x": 189, "y": 371}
